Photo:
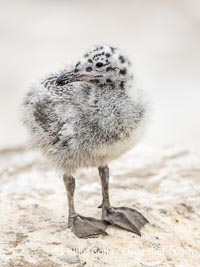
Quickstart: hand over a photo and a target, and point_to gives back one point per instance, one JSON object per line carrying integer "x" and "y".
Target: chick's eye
{"x": 99, "y": 64}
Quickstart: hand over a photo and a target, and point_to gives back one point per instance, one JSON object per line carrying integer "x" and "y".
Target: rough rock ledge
{"x": 164, "y": 184}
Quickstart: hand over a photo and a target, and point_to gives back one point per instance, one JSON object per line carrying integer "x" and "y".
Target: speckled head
{"x": 101, "y": 64}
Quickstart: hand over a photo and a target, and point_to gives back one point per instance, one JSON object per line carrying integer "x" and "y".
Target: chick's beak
{"x": 73, "y": 76}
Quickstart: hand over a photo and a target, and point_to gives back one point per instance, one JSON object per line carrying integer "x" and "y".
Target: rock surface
{"x": 162, "y": 184}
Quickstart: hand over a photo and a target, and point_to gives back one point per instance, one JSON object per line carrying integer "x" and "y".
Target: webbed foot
{"x": 85, "y": 227}
{"x": 129, "y": 219}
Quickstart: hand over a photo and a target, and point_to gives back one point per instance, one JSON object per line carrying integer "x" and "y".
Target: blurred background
{"x": 162, "y": 39}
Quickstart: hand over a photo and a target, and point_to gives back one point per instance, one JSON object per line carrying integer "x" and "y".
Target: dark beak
{"x": 73, "y": 76}
{"x": 66, "y": 78}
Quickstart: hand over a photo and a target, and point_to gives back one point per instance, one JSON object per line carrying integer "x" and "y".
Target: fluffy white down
{"x": 83, "y": 124}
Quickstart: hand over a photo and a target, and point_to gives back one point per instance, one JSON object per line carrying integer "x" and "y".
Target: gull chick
{"x": 86, "y": 115}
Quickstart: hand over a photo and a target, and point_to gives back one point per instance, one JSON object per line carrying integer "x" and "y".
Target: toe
{"x": 126, "y": 218}
{"x": 134, "y": 215}
{"x": 85, "y": 227}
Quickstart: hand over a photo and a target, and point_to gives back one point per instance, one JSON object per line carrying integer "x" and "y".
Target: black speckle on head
{"x": 122, "y": 59}
{"x": 98, "y": 55}
{"x": 90, "y": 60}
{"x": 108, "y": 55}
{"x": 109, "y": 69}
{"x": 108, "y": 80}
{"x": 123, "y": 71}
{"x": 113, "y": 49}
{"x": 86, "y": 55}
{"x": 88, "y": 69}
{"x": 76, "y": 70}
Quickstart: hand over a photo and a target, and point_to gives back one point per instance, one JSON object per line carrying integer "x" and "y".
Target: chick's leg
{"x": 129, "y": 219}
{"x": 83, "y": 227}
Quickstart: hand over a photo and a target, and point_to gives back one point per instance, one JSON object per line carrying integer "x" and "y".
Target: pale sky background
{"x": 162, "y": 39}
